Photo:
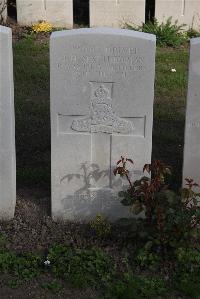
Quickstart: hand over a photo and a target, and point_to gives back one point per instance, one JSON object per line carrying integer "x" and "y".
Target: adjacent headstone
{"x": 3, "y": 11}
{"x": 191, "y": 163}
{"x": 57, "y": 12}
{"x": 102, "y": 90}
{"x": 115, "y": 13}
{"x": 185, "y": 11}
{"x": 7, "y": 135}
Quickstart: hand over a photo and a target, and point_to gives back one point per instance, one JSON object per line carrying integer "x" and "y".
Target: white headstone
{"x": 191, "y": 163}
{"x": 7, "y": 128}
{"x": 57, "y": 12}
{"x": 185, "y": 11}
{"x": 114, "y": 13}
{"x": 102, "y": 90}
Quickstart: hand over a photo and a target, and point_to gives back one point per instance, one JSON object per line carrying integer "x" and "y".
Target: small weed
{"x": 188, "y": 283}
{"x": 53, "y": 286}
{"x": 188, "y": 258}
{"x": 14, "y": 283}
{"x": 187, "y": 272}
{"x": 22, "y": 268}
{"x": 101, "y": 226}
{"x": 148, "y": 260}
{"x": 2, "y": 242}
{"x": 86, "y": 267}
{"x": 136, "y": 287}
{"x": 192, "y": 33}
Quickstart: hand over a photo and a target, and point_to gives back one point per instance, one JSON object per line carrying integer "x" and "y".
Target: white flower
{"x": 47, "y": 262}
{"x": 173, "y": 70}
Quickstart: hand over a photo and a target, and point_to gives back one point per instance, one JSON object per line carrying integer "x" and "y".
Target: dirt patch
{"x": 33, "y": 230}
{"x": 21, "y": 32}
{"x": 34, "y": 289}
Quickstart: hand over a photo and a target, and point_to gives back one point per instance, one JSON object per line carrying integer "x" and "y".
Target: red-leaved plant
{"x": 172, "y": 216}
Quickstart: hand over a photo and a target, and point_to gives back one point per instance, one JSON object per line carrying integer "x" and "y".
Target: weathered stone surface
{"x": 185, "y": 11}
{"x": 114, "y": 13}
{"x": 192, "y": 125}
{"x": 102, "y": 89}
{"x": 7, "y": 137}
{"x": 58, "y": 12}
{"x": 3, "y": 11}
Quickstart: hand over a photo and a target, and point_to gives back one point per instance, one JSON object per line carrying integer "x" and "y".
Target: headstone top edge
{"x": 104, "y": 30}
{"x": 5, "y": 30}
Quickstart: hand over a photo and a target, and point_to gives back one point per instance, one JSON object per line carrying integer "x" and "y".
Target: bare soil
{"x": 33, "y": 230}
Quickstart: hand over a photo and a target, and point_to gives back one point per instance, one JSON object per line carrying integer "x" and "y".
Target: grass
{"x": 31, "y": 71}
{"x": 31, "y": 74}
{"x": 169, "y": 108}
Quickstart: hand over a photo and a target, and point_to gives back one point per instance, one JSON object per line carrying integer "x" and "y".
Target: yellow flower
{"x": 42, "y": 27}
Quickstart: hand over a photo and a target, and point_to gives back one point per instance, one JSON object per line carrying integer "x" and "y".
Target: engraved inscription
{"x": 87, "y": 61}
{"x": 194, "y": 124}
{"x": 102, "y": 118}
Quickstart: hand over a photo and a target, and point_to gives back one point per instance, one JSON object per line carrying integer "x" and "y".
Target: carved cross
{"x": 102, "y": 124}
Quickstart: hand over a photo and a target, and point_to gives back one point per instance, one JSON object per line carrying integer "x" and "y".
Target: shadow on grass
{"x": 31, "y": 73}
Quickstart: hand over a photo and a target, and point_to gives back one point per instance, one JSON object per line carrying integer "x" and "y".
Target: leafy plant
{"x": 167, "y": 33}
{"x": 53, "y": 286}
{"x": 101, "y": 226}
{"x": 192, "y": 33}
{"x": 22, "y": 268}
{"x": 148, "y": 260}
{"x": 135, "y": 287}
{"x": 124, "y": 288}
{"x": 188, "y": 258}
{"x": 86, "y": 267}
{"x": 170, "y": 217}
{"x": 188, "y": 283}
{"x": 186, "y": 276}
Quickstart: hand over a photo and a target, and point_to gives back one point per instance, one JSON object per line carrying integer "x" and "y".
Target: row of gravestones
{"x": 102, "y": 90}
{"x": 110, "y": 13}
